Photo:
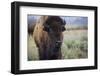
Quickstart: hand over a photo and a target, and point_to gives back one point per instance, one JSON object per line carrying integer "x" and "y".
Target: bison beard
{"x": 49, "y": 42}
{"x": 49, "y": 51}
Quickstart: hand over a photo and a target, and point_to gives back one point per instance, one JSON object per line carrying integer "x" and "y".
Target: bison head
{"x": 54, "y": 26}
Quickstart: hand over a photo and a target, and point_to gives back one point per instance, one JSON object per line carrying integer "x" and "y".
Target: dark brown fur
{"x": 46, "y": 40}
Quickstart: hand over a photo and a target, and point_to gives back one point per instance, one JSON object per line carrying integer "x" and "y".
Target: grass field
{"x": 75, "y": 44}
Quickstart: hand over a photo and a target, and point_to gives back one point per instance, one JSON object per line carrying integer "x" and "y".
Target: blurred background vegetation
{"x": 75, "y": 44}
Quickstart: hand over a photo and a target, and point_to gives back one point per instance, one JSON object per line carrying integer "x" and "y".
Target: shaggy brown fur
{"x": 47, "y": 34}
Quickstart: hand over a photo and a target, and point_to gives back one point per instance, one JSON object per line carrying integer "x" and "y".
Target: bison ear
{"x": 63, "y": 28}
{"x": 46, "y": 28}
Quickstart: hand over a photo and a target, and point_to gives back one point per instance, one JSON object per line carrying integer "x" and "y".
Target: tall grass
{"x": 74, "y": 49}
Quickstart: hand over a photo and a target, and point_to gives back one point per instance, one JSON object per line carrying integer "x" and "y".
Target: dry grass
{"x": 75, "y": 44}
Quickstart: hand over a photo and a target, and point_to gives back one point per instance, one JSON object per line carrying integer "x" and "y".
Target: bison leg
{"x": 43, "y": 54}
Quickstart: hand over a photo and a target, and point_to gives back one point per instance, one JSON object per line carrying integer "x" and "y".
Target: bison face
{"x": 54, "y": 26}
{"x": 54, "y": 23}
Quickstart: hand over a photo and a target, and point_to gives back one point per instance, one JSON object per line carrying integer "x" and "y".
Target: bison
{"x": 48, "y": 36}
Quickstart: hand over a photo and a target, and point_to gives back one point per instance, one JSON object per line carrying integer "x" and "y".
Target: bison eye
{"x": 46, "y": 28}
{"x": 63, "y": 28}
